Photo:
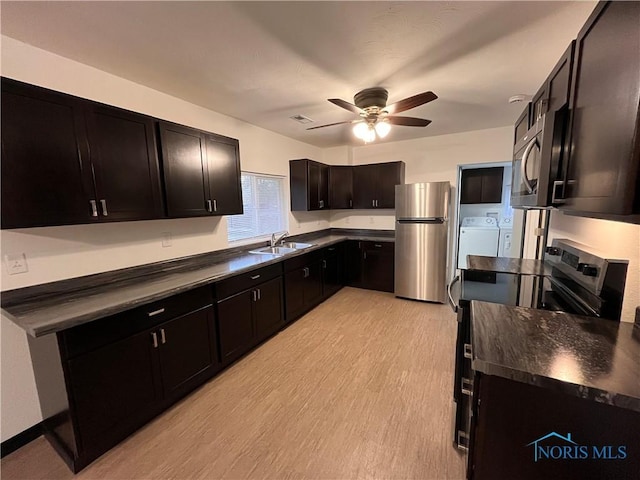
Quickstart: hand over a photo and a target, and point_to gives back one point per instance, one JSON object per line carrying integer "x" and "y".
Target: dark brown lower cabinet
{"x": 100, "y": 381}
{"x": 510, "y": 426}
{"x": 249, "y": 317}
{"x": 303, "y": 289}
{"x": 370, "y": 265}
{"x": 332, "y": 270}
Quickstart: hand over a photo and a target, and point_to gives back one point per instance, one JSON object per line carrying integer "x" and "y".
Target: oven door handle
{"x": 523, "y": 164}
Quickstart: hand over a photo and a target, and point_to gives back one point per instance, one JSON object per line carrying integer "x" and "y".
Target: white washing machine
{"x": 478, "y": 236}
{"x": 506, "y": 237}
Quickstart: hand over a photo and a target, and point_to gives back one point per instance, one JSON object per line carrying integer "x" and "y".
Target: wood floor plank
{"x": 361, "y": 387}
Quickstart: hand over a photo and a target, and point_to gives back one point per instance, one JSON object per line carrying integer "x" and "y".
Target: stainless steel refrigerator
{"x": 422, "y": 230}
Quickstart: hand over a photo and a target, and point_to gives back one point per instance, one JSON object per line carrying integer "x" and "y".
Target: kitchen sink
{"x": 297, "y": 245}
{"x": 273, "y": 251}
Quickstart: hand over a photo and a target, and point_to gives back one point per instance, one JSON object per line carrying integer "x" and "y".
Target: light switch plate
{"x": 16, "y": 264}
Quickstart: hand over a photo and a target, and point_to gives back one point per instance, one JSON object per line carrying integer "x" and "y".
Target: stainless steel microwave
{"x": 537, "y": 157}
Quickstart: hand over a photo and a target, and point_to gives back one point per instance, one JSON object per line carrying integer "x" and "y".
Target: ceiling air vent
{"x": 301, "y": 119}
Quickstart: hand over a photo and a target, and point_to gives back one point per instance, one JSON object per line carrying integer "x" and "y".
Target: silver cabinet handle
{"x": 254, "y": 295}
{"x": 255, "y": 277}
{"x": 321, "y": 204}
{"x": 351, "y": 203}
{"x": 523, "y": 164}
{"x": 103, "y": 202}
{"x": 468, "y": 352}
{"x": 466, "y": 386}
{"x": 324, "y": 264}
{"x": 155, "y": 312}
{"x": 94, "y": 208}
{"x": 462, "y": 441}
{"x": 209, "y": 207}
{"x": 377, "y": 245}
{"x": 305, "y": 272}
{"x": 259, "y": 294}
{"x": 163, "y": 337}
{"x": 376, "y": 203}
{"x": 364, "y": 255}
{"x": 331, "y": 249}
{"x": 215, "y": 205}
{"x": 373, "y": 203}
{"x": 154, "y": 336}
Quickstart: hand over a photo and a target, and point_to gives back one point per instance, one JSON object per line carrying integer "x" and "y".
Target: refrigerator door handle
{"x": 421, "y": 220}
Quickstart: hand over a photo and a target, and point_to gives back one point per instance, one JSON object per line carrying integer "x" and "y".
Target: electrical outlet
{"x": 16, "y": 264}
{"x": 166, "y": 239}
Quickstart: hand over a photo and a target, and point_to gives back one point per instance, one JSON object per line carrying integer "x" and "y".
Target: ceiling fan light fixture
{"x": 360, "y": 130}
{"x": 370, "y": 135}
{"x": 382, "y": 128}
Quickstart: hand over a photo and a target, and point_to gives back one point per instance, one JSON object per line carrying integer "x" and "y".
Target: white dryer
{"x": 478, "y": 236}
{"x": 505, "y": 243}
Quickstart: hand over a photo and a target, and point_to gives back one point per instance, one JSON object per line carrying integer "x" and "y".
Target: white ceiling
{"x": 263, "y": 62}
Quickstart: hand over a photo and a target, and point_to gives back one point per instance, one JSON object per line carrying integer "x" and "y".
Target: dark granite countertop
{"x": 587, "y": 357}
{"x": 49, "y": 308}
{"x": 522, "y": 266}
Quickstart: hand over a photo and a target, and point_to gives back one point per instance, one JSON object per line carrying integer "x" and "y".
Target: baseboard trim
{"x": 20, "y": 440}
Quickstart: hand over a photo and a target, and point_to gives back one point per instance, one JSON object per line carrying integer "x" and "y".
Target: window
{"x": 264, "y": 208}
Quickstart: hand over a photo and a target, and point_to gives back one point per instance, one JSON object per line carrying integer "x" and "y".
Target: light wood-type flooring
{"x": 361, "y": 387}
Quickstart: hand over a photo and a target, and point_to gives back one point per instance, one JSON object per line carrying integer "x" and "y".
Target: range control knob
{"x": 588, "y": 270}
{"x": 553, "y": 251}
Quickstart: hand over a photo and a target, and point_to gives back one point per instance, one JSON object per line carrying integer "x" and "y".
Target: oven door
{"x": 527, "y": 159}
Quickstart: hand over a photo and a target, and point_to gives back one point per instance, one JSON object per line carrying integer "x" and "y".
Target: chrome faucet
{"x": 275, "y": 241}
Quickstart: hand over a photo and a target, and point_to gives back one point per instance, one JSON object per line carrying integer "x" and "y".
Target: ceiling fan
{"x": 376, "y": 116}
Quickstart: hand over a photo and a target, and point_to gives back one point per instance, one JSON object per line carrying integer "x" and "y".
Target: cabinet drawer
{"x": 244, "y": 281}
{"x": 92, "y": 335}
{"x": 302, "y": 260}
{"x": 386, "y": 246}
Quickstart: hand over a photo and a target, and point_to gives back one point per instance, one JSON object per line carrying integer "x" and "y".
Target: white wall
{"x": 63, "y": 252}
{"x": 615, "y": 240}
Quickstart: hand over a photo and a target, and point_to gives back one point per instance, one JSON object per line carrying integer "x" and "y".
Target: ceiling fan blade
{"x": 408, "y": 121}
{"x": 411, "y": 102}
{"x": 331, "y": 124}
{"x": 346, "y": 105}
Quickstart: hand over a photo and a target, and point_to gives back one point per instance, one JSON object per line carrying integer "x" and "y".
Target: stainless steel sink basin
{"x": 297, "y": 245}
{"x": 273, "y": 251}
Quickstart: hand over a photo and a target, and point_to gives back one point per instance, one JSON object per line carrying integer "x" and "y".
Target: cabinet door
{"x": 184, "y": 171}
{"x": 603, "y": 168}
{"x": 492, "y": 185}
{"x": 235, "y": 326}
{"x": 323, "y": 187}
{"x": 388, "y": 175}
{"x": 113, "y": 386}
{"x": 353, "y": 263}
{"x": 471, "y": 186}
{"x": 313, "y": 285}
{"x": 313, "y": 182}
{"x": 46, "y": 175}
{"x": 364, "y": 186}
{"x": 294, "y": 283}
{"x": 125, "y": 162}
{"x": 268, "y": 311}
{"x": 331, "y": 275}
{"x": 340, "y": 187}
{"x": 223, "y": 166}
{"x": 187, "y": 351}
{"x": 377, "y": 266}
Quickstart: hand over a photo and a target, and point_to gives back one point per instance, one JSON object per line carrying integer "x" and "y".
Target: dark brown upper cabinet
{"x": 201, "y": 172}
{"x": 602, "y": 175}
{"x": 309, "y": 184}
{"x": 340, "y": 187}
{"x": 374, "y": 185}
{"x": 125, "y": 163}
{"x": 481, "y": 185}
{"x": 66, "y": 160}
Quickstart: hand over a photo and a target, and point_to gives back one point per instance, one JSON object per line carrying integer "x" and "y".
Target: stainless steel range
{"x": 576, "y": 280}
